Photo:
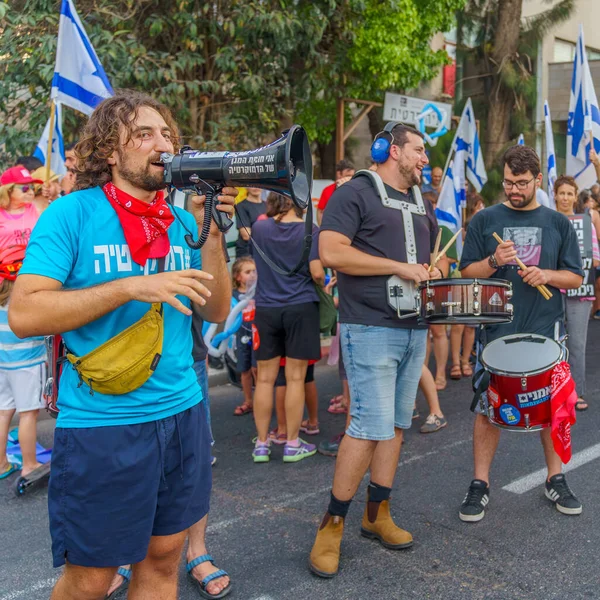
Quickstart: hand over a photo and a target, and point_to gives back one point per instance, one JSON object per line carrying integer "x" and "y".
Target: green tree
{"x": 234, "y": 71}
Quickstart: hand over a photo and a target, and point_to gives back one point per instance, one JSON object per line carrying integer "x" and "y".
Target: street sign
{"x": 406, "y": 110}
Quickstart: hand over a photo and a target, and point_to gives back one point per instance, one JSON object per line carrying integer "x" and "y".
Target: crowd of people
{"x": 109, "y": 263}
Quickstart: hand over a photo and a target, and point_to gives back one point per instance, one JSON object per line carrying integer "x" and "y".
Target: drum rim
{"x": 514, "y": 374}
{"x": 504, "y": 283}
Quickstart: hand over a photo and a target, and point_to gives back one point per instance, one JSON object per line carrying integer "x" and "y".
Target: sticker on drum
{"x": 493, "y": 397}
{"x": 510, "y": 415}
{"x": 495, "y": 300}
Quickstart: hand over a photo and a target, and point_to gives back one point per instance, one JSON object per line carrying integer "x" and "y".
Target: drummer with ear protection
{"x": 377, "y": 233}
{"x": 545, "y": 242}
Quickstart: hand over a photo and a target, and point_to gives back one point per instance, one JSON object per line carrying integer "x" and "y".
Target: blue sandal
{"x": 202, "y": 584}
{"x": 12, "y": 467}
{"x": 126, "y": 575}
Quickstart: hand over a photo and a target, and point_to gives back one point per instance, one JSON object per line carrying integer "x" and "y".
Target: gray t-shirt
{"x": 543, "y": 238}
{"x": 356, "y": 211}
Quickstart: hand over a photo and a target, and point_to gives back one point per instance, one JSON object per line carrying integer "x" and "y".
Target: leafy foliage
{"x": 234, "y": 72}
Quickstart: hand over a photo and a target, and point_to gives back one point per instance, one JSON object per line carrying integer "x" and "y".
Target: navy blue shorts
{"x": 112, "y": 488}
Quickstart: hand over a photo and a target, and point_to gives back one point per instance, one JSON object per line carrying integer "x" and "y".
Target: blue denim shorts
{"x": 112, "y": 488}
{"x": 384, "y": 368}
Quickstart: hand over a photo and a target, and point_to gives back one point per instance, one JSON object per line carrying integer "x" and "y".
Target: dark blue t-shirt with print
{"x": 282, "y": 243}
{"x": 543, "y": 238}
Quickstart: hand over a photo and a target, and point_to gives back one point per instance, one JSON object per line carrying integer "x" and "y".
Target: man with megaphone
{"x": 109, "y": 268}
{"x": 377, "y": 233}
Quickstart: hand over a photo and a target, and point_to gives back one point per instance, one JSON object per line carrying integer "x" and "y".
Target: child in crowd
{"x": 22, "y": 373}
{"x": 243, "y": 275}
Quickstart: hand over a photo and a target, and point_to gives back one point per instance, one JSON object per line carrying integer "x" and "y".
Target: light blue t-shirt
{"x": 79, "y": 241}
{"x": 16, "y": 353}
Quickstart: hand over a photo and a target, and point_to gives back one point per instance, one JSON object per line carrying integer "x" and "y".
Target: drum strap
{"x": 482, "y": 386}
{"x": 408, "y": 209}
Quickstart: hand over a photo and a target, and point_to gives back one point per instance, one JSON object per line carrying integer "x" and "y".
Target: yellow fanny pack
{"x": 126, "y": 361}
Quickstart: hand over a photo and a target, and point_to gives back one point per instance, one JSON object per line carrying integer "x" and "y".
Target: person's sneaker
{"x": 433, "y": 423}
{"x": 331, "y": 447}
{"x": 296, "y": 453}
{"x": 473, "y": 507}
{"x": 261, "y": 453}
{"x": 597, "y": 315}
{"x": 558, "y": 491}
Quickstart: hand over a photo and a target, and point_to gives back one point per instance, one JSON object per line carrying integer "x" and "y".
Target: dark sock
{"x": 338, "y": 508}
{"x": 378, "y": 493}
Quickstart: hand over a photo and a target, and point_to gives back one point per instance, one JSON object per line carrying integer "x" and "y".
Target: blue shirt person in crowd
{"x": 130, "y": 472}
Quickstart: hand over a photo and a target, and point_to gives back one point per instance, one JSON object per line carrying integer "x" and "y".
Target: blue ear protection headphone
{"x": 380, "y": 149}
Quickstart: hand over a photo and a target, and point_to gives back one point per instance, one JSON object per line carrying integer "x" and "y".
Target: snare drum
{"x": 520, "y": 368}
{"x": 469, "y": 301}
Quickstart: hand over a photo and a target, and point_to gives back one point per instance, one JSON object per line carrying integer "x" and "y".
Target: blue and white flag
{"x": 79, "y": 79}
{"x": 57, "y": 160}
{"x": 583, "y": 125}
{"x": 467, "y": 148}
{"x": 452, "y": 197}
{"x": 521, "y": 140}
{"x": 550, "y": 154}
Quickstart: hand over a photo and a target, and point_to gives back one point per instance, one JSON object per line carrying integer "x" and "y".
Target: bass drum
{"x": 520, "y": 367}
{"x": 468, "y": 301}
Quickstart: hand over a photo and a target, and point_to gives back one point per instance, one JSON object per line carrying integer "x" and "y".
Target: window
{"x": 565, "y": 52}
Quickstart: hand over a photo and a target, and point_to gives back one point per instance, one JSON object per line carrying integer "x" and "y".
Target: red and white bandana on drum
{"x": 563, "y": 398}
{"x": 145, "y": 225}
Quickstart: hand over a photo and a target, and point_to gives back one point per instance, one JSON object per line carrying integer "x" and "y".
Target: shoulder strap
{"x": 161, "y": 263}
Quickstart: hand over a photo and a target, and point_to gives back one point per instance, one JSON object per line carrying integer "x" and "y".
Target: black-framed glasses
{"x": 521, "y": 185}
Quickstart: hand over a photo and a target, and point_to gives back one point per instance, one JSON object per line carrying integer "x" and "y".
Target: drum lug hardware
{"x": 527, "y": 421}
{"x": 523, "y": 383}
{"x": 451, "y": 306}
{"x": 509, "y": 294}
{"x": 430, "y": 292}
{"x": 476, "y": 308}
{"x": 509, "y": 308}
{"x": 430, "y": 307}
{"x": 475, "y": 290}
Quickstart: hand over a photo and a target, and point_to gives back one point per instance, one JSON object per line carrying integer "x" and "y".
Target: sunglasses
{"x": 24, "y": 188}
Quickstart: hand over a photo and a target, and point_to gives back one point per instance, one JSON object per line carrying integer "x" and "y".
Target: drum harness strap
{"x": 397, "y": 288}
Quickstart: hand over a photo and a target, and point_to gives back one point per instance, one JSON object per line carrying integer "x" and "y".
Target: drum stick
{"x": 446, "y": 247}
{"x": 438, "y": 241}
{"x": 542, "y": 289}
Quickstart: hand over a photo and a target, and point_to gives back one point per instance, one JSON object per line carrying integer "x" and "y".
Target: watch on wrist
{"x": 493, "y": 262}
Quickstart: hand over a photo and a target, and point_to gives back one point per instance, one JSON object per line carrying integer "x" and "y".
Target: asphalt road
{"x": 264, "y": 517}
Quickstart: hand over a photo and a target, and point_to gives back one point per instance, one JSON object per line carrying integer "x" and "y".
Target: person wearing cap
{"x": 46, "y": 192}
{"x": 18, "y": 215}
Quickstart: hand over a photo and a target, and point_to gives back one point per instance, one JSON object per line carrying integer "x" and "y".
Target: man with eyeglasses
{"x": 547, "y": 244}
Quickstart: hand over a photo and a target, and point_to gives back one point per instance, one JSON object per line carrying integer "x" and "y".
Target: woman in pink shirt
{"x": 17, "y": 213}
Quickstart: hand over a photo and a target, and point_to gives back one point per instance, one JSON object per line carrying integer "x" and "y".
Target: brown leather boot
{"x": 377, "y": 524}
{"x": 325, "y": 555}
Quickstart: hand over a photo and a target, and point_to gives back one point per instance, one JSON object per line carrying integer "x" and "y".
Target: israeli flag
{"x": 467, "y": 148}
{"x": 57, "y": 160}
{"x": 550, "y": 154}
{"x": 452, "y": 197}
{"x": 521, "y": 140}
{"x": 79, "y": 79}
{"x": 584, "y": 120}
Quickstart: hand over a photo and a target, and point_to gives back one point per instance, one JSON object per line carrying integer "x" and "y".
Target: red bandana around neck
{"x": 145, "y": 225}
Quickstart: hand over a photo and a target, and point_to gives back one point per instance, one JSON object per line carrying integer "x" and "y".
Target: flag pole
{"x": 50, "y": 138}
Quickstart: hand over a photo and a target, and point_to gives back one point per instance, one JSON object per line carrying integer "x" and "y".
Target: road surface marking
{"x": 537, "y": 478}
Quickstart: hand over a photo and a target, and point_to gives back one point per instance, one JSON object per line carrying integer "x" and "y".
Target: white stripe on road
{"x": 295, "y": 499}
{"x": 40, "y": 585}
{"x": 528, "y": 482}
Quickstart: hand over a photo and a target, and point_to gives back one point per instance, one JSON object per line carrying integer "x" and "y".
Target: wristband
{"x": 493, "y": 262}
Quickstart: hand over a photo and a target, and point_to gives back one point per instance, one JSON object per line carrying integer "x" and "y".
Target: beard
{"x": 518, "y": 200}
{"x": 408, "y": 173}
{"x": 142, "y": 178}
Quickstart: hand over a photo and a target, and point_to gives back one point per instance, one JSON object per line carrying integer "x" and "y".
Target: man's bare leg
{"x": 553, "y": 461}
{"x": 385, "y": 460}
{"x": 485, "y": 443}
{"x": 83, "y": 583}
{"x": 353, "y": 460}
{"x": 155, "y": 578}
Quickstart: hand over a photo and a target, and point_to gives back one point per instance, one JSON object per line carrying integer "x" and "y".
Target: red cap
{"x": 17, "y": 175}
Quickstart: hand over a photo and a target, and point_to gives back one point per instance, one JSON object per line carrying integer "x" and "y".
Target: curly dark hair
{"x": 521, "y": 159}
{"x": 278, "y": 205}
{"x": 101, "y": 134}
